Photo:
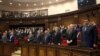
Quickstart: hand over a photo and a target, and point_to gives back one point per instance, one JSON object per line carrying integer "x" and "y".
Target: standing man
{"x": 89, "y": 35}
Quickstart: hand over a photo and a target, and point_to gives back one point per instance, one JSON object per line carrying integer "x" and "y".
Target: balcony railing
{"x": 23, "y": 14}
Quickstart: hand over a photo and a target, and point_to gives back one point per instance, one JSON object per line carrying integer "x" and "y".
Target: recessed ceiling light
{"x": 10, "y": 3}
{"x": 27, "y": 5}
{"x": 19, "y": 4}
{"x": 34, "y": 4}
{"x": 56, "y": 0}
{"x": 42, "y": 3}
{"x": 1, "y": 1}
{"x": 50, "y": 2}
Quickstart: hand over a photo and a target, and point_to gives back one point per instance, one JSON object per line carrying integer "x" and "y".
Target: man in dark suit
{"x": 11, "y": 38}
{"x": 38, "y": 37}
{"x": 46, "y": 39}
{"x": 88, "y": 34}
{"x": 57, "y": 36}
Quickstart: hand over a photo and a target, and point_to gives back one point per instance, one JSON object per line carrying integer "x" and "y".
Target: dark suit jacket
{"x": 63, "y": 33}
{"x": 46, "y": 39}
{"x": 89, "y": 36}
{"x": 72, "y": 36}
{"x": 38, "y": 39}
{"x": 57, "y": 38}
{"x": 11, "y": 39}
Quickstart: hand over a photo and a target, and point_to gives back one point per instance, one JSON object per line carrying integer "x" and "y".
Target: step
{"x": 17, "y": 53}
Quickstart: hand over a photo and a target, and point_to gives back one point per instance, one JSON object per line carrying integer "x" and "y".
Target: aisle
{"x": 17, "y": 53}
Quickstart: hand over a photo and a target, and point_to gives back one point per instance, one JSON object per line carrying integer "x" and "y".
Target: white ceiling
{"x": 24, "y": 4}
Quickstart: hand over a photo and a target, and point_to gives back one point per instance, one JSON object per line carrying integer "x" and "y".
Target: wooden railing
{"x": 30, "y": 49}
{"x": 7, "y": 49}
{"x": 52, "y": 50}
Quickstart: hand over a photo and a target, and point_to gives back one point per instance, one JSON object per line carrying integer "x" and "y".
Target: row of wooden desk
{"x": 7, "y": 49}
{"x": 47, "y": 50}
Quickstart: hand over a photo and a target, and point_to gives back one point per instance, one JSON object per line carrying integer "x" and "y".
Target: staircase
{"x": 17, "y": 52}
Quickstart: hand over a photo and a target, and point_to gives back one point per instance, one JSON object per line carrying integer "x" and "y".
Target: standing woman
{"x": 4, "y": 37}
{"x": 71, "y": 35}
{"x": 30, "y": 37}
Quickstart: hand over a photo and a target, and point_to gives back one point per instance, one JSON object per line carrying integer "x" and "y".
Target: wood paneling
{"x": 7, "y": 50}
{"x": 48, "y": 50}
{"x": 67, "y": 20}
{"x": 1, "y": 50}
{"x": 3, "y": 26}
{"x": 42, "y": 51}
{"x": 32, "y": 51}
{"x": 24, "y": 51}
{"x": 64, "y": 52}
{"x": 51, "y": 52}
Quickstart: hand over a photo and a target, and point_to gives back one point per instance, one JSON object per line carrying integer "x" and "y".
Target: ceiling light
{"x": 1, "y": 1}
{"x": 19, "y": 4}
{"x": 42, "y": 3}
{"x": 10, "y": 3}
{"x": 50, "y": 2}
{"x": 27, "y": 5}
{"x": 56, "y": 0}
{"x": 34, "y": 4}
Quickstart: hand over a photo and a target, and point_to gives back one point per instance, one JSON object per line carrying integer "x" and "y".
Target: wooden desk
{"x": 6, "y": 49}
{"x": 51, "y": 50}
{"x": 47, "y": 50}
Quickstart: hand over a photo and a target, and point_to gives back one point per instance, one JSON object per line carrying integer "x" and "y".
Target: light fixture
{"x": 27, "y": 5}
{"x": 19, "y": 4}
{"x": 1, "y": 1}
{"x": 56, "y": 0}
{"x": 50, "y": 2}
{"x": 34, "y": 4}
{"x": 10, "y": 3}
{"x": 42, "y": 3}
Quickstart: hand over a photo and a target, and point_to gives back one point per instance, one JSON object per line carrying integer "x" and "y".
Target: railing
{"x": 7, "y": 49}
{"x": 30, "y": 49}
{"x": 23, "y": 14}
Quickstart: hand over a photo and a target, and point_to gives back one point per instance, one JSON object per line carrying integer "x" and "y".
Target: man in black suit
{"x": 46, "y": 38}
{"x": 89, "y": 36}
{"x": 57, "y": 36}
{"x": 11, "y": 38}
{"x": 38, "y": 37}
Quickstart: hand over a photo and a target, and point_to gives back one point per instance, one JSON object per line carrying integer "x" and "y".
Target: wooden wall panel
{"x": 3, "y": 27}
{"x": 42, "y": 51}
{"x": 24, "y": 51}
{"x": 32, "y": 51}
{"x": 7, "y": 50}
{"x": 51, "y": 52}
{"x": 63, "y": 52}
{"x": 51, "y": 25}
{"x": 67, "y": 20}
{"x": 1, "y": 50}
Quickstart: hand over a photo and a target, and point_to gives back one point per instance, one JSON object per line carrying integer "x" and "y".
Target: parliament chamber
{"x": 14, "y": 22}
